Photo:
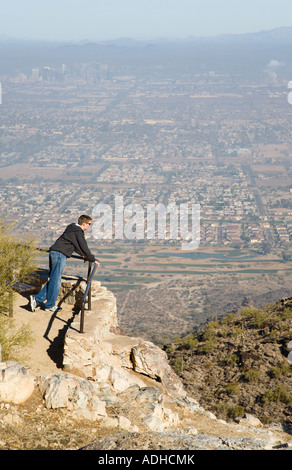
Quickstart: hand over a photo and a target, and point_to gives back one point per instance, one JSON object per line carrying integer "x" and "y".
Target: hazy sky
{"x": 140, "y": 19}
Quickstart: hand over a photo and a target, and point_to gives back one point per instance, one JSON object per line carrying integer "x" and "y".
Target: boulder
{"x": 16, "y": 385}
{"x": 75, "y": 394}
{"x": 150, "y": 360}
{"x": 250, "y": 419}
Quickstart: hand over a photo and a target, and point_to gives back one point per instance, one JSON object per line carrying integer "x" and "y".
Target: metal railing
{"x": 87, "y": 295}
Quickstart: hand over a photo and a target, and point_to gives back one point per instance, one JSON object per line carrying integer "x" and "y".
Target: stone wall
{"x": 104, "y": 355}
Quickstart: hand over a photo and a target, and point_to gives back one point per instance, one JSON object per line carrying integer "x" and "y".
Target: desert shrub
{"x": 227, "y": 410}
{"x": 255, "y": 317}
{"x": 207, "y": 346}
{"x": 232, "y": 388}
{"x": 13, "y": 342}
{"x": 236, "y": 411}
{"x": 17, "y": 262}
{"x": 178, "y": 365}
{"x": 278, "y": 394}
{"x": 232, "y": 359}
{"x": 235, "y": 332}
{"x": 280, "y": 371}
{"x": 286, "y": 314}
{"x": 189, "y": 342}
{"x": 252, "y": 375}
{"x": 228, "y": 319}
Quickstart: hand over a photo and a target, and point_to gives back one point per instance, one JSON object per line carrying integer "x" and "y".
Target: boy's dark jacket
{"x": 73, "y": 240}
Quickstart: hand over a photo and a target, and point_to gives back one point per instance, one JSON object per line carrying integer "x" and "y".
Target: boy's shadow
{"x": 56, "y": 349}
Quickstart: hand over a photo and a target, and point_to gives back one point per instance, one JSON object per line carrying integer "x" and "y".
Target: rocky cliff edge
{"x": 125, "y": 386}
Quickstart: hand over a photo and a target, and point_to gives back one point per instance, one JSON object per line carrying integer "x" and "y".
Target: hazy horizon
{"x": 162, "y": 39}
{"x": 95, "y": 20}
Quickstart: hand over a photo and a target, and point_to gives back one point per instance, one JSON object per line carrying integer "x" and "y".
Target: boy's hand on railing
{"x": 97, "y": 263}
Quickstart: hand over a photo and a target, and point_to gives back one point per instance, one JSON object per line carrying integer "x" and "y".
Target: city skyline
{"x": 96, "y": 20}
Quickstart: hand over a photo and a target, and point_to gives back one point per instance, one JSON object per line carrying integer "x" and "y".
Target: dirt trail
{"x": 45, "y": 355}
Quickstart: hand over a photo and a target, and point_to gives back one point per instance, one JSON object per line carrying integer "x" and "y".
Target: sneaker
{"x": 32, "y": 303}
{"x": 52, "y": 309}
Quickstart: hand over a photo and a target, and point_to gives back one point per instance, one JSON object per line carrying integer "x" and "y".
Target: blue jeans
{"x": 50, "y": 291}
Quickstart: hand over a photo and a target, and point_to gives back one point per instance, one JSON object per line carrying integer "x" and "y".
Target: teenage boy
{"x": 71, "y": 240}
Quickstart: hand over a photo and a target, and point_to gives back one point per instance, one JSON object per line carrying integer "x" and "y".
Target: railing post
{"x": 82, "y": 318}
{"x": 87, "y": 295}
{"x": 88, "y": 280}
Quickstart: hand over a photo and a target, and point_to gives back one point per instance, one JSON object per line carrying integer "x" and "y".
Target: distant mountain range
{"x": 283, "y": 34}
{"x": 242, "y": 53}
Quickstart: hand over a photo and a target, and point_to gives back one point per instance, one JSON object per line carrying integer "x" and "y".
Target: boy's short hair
{"x": 84, "y": 219}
